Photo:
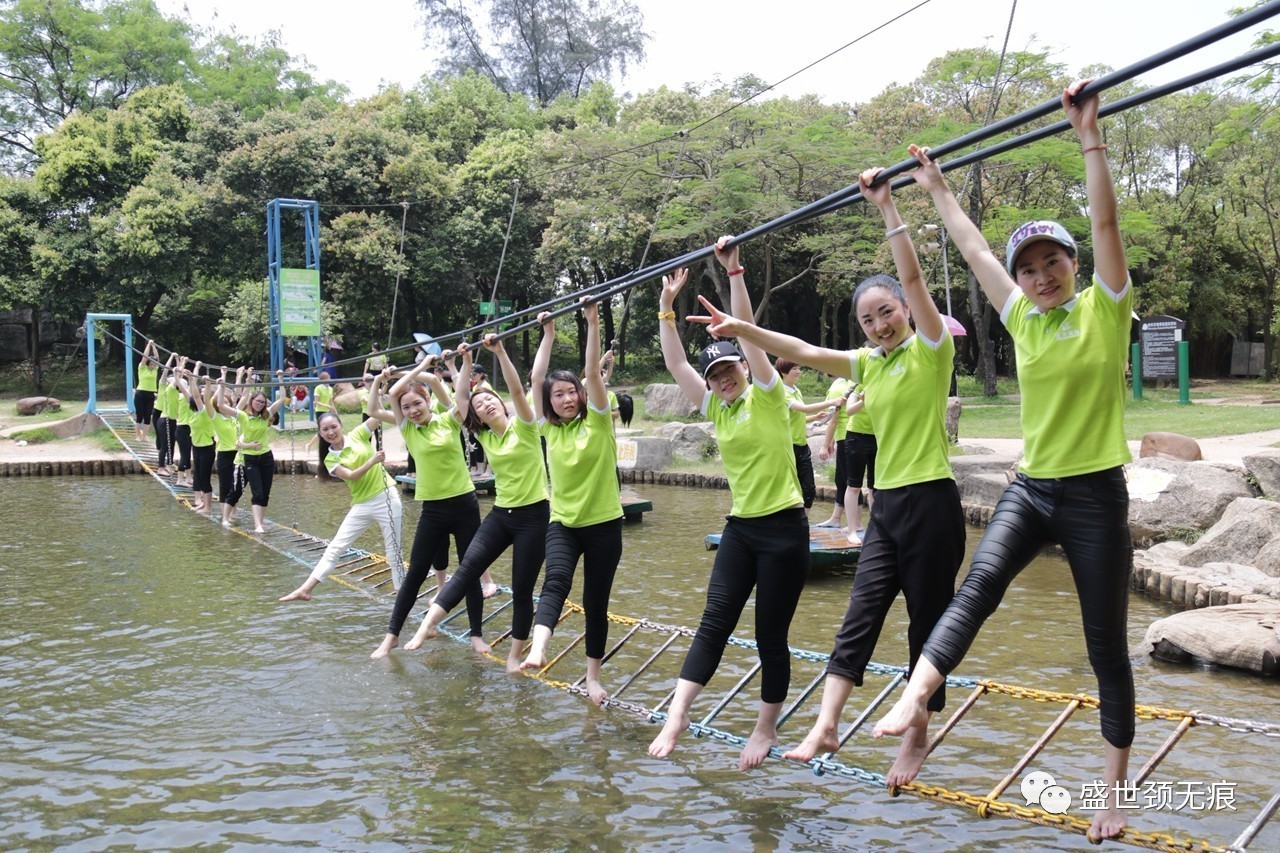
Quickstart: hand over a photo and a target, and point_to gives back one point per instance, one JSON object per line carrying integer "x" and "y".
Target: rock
{"x": 1168, "y": 497}
{"x": 1248, "y": 533}
{"x": 644, "y": 453}
{"x": 1169, "y": 445}
{"x": 36, "y": 405}
{"x": 690, "y": 442}
{"x": 667, "y": 401}
{"x": 73, "y": 426}
{"x": 1265, "y": 468}
{"x": 954, "y": 408}
{"x": 347, "y": 400}
{"x": 1243, "y": 636}
{"x": 982, "y": 479}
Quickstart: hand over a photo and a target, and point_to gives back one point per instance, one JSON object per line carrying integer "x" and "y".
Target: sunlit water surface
{"x": 155, "y": 696}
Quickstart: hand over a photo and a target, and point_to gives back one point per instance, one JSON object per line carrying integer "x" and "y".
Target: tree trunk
{"x": 986, "y": 352}
{"x": 37, "y": 369}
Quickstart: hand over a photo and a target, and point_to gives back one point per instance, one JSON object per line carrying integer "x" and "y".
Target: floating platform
{"x": 828, "y": 548}
{"x": 633, "y": 506}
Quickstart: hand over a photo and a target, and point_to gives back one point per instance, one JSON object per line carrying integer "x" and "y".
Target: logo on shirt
{"x": 1066, "y": 330}
{"x": 898, "y": 369}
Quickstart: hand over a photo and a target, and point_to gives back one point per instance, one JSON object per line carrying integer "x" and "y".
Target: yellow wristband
{"x": 666, "y": 315}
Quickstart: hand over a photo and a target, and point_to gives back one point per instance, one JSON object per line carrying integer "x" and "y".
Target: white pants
{"x": 383, "y": 509}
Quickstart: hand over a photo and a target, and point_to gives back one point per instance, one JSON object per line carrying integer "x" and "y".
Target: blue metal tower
{"x": 275, "y": 262}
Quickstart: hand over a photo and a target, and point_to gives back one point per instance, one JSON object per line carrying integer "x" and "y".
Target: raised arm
{"x": 376, "y": 410}
{"x": 402, "y": 384}
{"x": 926, "y": 314}
{"x": 511, "y": 377}
{"x": 462, "y": 384}
{"x": 541, "y": 361}
{"x": 694, "y": 388}
{"x": 762, "y": 370}
{"x": 833, "y": 361}
{"x": 282, "y": 394}
{"x": 1108, "y": 246}
{"x": 975, "y": 250}
{"x": 608, "y": 362}
{"x": 597, "y": 394}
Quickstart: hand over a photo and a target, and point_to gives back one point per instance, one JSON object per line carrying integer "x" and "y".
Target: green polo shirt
{"x": 224, "y": 430}
{"x": 861, "y": 421}
{"x": 796, "y": 419}
{"x": 201, "y": 428}
{"x": 146, "y": 377}
{"x": 358, "y": 449}
{"x": 583, "y": 457}
{"x": 324, "y": 398}
{"x": 754, "y": 436}
{"x": 906, "y": 395}
{"x": 1071, "y": 364}
{"x": 838, "y": 389}
{"x": 437, "y": 455}
{"x": 516, "y": 459}
{"x": 254, "y": 429}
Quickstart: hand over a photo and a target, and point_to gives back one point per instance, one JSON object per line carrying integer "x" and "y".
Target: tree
{"x": 60, "y": 56}
{"x": 540, "y": 48}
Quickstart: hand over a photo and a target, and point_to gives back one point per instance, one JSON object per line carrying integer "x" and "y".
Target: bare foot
{"x": 513, "y": 656}
{"x": 489, "y": 589}
{"x": 757, "y": 749}
{"x": 299, "y": 594}
{"x": 596, "y": 692}
{"x": 905, "y": 714}
{"x": 535, "y": 661}
{"x": 665, "y": 742}
{"x": 915, "y": 742}
{"x": 388, "y": 643}
{"x": 226, "y": 522}
{"x": 479, "y": 646}
{"x": 1107, "y": 823}
{"x": 819, "y": 741}
{"x": 258, "y": 530}
{"x": 855, "y": 540}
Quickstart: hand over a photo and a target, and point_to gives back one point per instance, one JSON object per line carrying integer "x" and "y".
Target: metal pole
{"x": 1184, "y": 370}
{"x": 1135, "y": 362}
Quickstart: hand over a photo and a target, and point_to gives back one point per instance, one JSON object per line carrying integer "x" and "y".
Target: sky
{"x": 370, "y": 44}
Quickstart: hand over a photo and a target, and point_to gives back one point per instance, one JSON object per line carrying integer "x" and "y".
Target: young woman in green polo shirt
{"x": 254, "y": 444}
{"x": 800, "y": 413}
{"x": 374, "y": 498}
{"x": 449, "y": 505}
{"x": 144, "y": 393}
{"x": 226, "y": 431}
{"x": 765, "y": 544}
{"x": 520, "y": 511}
{"x": 586, "y": 507}
{"x": 1071, "y": 348}
{"x": 164, "y": 435}
{"x": 203, "y": 453}
{"x": 915, "y": 537}
{"x": 183, "y": 409}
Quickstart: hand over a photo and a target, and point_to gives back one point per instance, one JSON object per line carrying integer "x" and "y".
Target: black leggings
{"x": 143, "y": 406}
{"x": 840, "y": 476}
{"x": 259, "y": 469}
{"x": 860, "y": 460}
{"x": 771, "y": 555}
{"x": 230, "y": 485}
{"x": 525, "y": 527}
{"x": 164, "y": 447}
{"x": 804, "y": 470}
{"x": 914, "y": 543}
{"x": 459, "y": 517}
{"x": 183, "y": 436}
{"x": 1088, "y": 515}
{"x": 202, "y": 478}
{"x": 600, "y": 547}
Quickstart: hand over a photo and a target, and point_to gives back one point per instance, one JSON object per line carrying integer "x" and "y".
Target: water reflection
{"x": 155, "y": 696}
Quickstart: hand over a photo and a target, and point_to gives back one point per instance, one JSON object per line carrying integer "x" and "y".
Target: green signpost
{"x": 299, "y": 302}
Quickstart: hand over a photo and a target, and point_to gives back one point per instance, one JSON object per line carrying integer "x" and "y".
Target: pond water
{"x": 155, "y": 696}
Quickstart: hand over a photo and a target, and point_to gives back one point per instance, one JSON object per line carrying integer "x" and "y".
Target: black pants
{"x": 182, "y": 434}
{"x": 458, "y": 517}
{"x": 914, "y": 543}
{"x": 202, "y": 476}
{"x": 840, "y": 476}
{"x": 860, "y": 460}
{"x": 143, "y": 405}
{"x": 259, "y": 470}
{"x": 525, "y": 528}
{"x": 1088, "y": 516}
{"x": 164, "y": 445}
{"x": 600, "y": 547}
{"x": 769, "y": 554}
{"x": 230, "y": 482}
{"x": 804, "y": 470}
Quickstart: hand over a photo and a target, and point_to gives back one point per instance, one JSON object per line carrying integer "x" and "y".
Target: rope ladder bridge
{"x": 637, "y": 660}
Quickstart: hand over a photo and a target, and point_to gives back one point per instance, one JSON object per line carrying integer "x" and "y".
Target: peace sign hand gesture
{"x": 717, "y": 322}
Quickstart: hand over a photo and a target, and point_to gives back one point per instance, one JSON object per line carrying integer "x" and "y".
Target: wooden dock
{"x": 828, "y": 548}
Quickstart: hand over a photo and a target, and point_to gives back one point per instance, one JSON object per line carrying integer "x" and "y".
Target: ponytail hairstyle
{"x": 881, "y": 280}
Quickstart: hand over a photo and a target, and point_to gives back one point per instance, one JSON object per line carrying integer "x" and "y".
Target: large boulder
{"x": 1248, "y": 533}
{"x": 1167, "y": 498}
{"x": 954, "y": 408}
{"x": 644, "y": 453}
{"x": 1243, "y": 636}
{"x": 982, "y": 478}
{"x": 667, "y": 401}
{"x": 36, "y": 405}
{"x": 1170, "y": 445}
{"x": 1265, "y": 468}
{"x": 690, "y": 442}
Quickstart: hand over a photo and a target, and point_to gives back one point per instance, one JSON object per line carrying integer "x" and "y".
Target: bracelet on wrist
{"x": 666, "y": 315}
{"x": 735, "y": 271}
{"x": 1102, "y": 147}
{"x": 893, "y": 232}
